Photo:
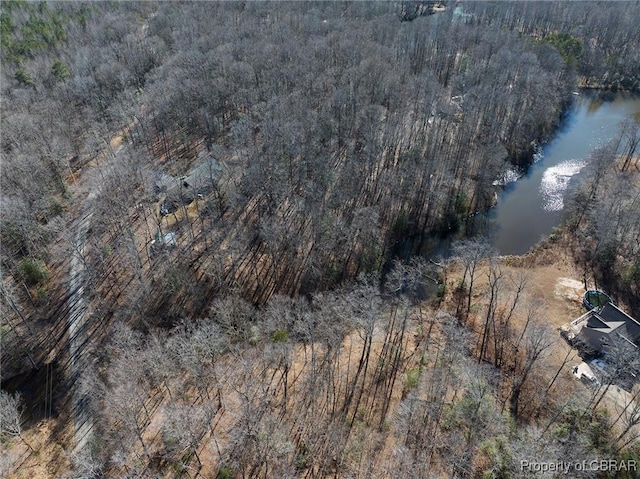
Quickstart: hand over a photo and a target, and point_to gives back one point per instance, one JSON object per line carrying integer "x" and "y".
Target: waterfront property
{"x": 601, "y": 327}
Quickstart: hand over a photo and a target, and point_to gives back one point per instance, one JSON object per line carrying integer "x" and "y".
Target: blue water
{"x": 530, "y": 207}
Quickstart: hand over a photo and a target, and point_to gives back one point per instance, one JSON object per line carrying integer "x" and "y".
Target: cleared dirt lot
{"x": 555, "y": 286}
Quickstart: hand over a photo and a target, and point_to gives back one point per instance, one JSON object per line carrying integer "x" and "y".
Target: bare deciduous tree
{"x": 11, "y": 420}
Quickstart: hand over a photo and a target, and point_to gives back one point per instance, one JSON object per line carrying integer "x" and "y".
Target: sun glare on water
{"x": 555, "y": 182}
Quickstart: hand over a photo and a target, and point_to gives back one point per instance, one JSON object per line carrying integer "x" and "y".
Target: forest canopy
{"x": 213, "y": 206}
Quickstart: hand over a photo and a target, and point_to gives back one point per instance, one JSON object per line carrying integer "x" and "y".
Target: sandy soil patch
{"x": 569, "y": 288}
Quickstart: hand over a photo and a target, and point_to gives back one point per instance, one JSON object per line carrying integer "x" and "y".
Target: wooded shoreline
{"x": 215, "y": 189}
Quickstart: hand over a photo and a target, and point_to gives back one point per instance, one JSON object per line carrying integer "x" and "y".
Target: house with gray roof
{"x": 601, "y": 327}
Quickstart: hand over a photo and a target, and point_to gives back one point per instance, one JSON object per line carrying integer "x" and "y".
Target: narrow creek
{"x": 530, "y": 206}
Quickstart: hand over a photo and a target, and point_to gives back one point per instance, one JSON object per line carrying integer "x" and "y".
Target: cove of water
{"x": 531, "y": 206}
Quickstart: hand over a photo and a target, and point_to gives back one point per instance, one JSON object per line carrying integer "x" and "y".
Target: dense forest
{"x": 603, "y": 221}
{"x": 215, "y": 219}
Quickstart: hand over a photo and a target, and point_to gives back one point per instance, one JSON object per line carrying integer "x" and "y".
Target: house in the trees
{"x": 601, "y": 327}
